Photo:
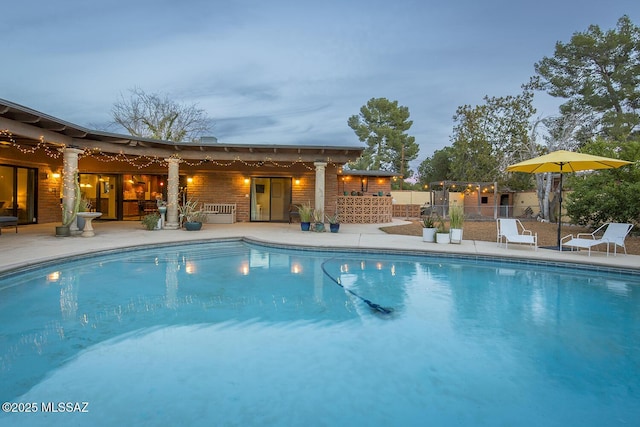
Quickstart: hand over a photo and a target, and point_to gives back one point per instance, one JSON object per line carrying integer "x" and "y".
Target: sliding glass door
{"x": 18, "y": 193}
{"x": 101, "y": 192}
{"x": 270, "y": 199}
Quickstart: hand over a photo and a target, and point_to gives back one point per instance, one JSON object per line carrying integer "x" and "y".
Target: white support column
{"x": 173, "y": 188}
{"x": 69, "y": 169}
{"x": 320, "y": 177}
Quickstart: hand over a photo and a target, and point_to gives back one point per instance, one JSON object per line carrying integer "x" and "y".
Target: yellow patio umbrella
{"x": 565, "y": 161}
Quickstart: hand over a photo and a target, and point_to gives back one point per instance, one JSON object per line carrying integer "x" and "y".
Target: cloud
{"x": 285, "y": 71}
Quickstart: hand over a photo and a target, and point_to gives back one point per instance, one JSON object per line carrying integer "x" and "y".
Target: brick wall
{"x": 331, "y": 190}
{"x": 304, "y": 189}
{"x": 373, "y": 185}
{"x": 49, "y": 189}
{"x": 222, "y": 187}
{"x": 230, "y": 187}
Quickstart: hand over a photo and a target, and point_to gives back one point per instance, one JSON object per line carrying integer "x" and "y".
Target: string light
{"x": 143, "y": 161}
{"x": 50, "y": 149}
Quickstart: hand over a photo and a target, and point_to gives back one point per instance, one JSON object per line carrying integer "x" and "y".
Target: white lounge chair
{"x": 511, "y": 230}
{"x": 614, "y": 234}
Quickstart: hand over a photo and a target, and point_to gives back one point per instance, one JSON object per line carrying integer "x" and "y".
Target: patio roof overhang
{"x": 370, "y": 173}
{"x": 29, "y": 127}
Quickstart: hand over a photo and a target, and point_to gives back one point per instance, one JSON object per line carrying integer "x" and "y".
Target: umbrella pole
{"x": 560, "y": 210}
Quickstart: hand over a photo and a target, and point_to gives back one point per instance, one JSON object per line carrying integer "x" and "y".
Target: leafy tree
{"x": 473, "y": 157}
{"x": 610, "y": 194}
{"x": 560, "y": 135}
{"x": 415, "y": 186}
{"x": 436, "y": 167}
{"x": 156, "y": 116}
{"x": 598, "y": 72}
{"x": 382, "y": 125}
{"x": 488, "y": 137}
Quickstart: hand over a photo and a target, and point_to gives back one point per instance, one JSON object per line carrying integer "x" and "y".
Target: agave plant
{"x": 333, "y": 219}
{"x": 318, "y": 216}
{"x": 429, "y": 222}
{"x": 190, "y": 213}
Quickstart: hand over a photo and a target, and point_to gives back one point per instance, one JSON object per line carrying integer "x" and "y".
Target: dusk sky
{"x": 287, "y": 72}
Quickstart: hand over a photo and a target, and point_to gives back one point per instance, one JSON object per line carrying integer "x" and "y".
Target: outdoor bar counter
{"x": 365, "y": 209}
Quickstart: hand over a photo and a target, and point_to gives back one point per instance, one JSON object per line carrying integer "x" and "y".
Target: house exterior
{"x": 123, "y": 176}
{"x": 364, "y": 197}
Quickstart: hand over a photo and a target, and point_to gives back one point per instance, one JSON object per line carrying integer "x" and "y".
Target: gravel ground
{"x": 486, "y": 231}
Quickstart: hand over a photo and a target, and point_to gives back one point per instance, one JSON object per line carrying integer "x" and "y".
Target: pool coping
{"x": 453, "y": 252}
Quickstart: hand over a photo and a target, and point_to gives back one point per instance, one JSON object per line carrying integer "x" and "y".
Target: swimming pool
{"x": 231, "y": 333}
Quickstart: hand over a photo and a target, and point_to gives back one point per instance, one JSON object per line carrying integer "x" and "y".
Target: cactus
{"x": 69, "y": 216}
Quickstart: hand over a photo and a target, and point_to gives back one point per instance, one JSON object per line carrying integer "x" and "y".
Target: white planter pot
{"x": 429, "y": 235}
{"x": 443, "y": 238}
{"x": 456, "y": 235}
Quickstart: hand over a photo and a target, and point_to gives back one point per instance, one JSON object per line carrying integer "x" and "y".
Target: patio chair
{"x": 511, "y": 230}
{"x": 614, "y": 234}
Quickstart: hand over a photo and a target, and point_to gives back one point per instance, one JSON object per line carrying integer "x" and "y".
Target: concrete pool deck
{"x": 37, "y": 243}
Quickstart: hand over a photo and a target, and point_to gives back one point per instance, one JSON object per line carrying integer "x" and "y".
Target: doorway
{"x": 100, "y": 191}
{"x": 504, "y": 206}
{"x": 270, "y": 199}
{"x": 140, "y": 194}
{"x": 18, "y": 193}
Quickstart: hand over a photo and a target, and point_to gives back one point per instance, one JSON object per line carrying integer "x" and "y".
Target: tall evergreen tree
{"x": 598, "y": 72}
{"x": 382, "y": 125}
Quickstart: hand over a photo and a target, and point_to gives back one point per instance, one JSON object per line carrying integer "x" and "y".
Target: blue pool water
{"x": 231, "y": 334}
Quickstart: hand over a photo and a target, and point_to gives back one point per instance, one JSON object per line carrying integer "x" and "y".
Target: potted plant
{"x": 429, "y": 229}
{"x": 456, "y": 219}
{"x": 151, "y": 221}
{"x": 306, "y": 212}
{"x": 191, "y": 216}
{"x": 442, "y": 234}
{"x": 334, "y": 222}
{"x": 318, "y": 220}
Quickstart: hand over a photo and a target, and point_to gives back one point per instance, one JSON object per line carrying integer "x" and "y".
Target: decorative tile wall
{"x": 365, "y": 209}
